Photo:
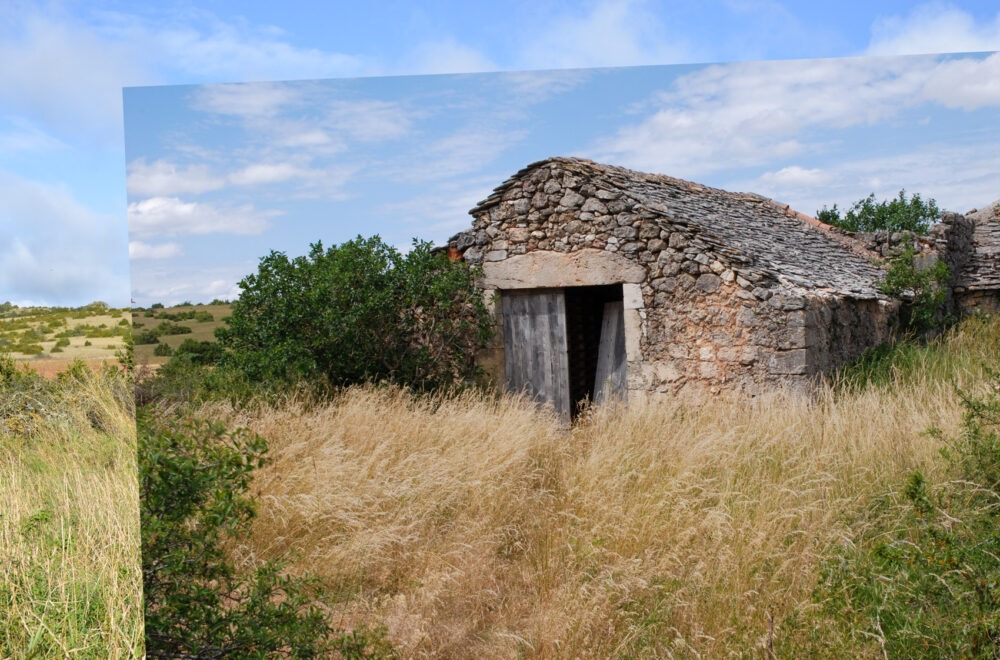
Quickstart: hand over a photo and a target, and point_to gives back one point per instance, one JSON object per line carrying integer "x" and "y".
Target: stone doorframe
{"x": 587, "y": 267}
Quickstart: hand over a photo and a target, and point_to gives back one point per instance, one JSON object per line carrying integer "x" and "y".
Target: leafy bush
{"x": 200, "y": 352}
{"x": 203, "y": 317}
{"x": 163, "y": 350}
{"x": 169, "y": 328}
{"x": 899, "y": 214}
{"x": 924, "y": 578}
{"x": 146, "y": 337}
{"x": 358, "y": 312}
{"x": 193, "y": 477}
{"x": 924, "y": 288}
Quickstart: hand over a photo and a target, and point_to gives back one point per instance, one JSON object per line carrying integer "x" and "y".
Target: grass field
{"x": 50, "y": 339}
{"x": 474, "y": 526}
{"x": 70, "y": 581}
{"x": 200, "y": 330}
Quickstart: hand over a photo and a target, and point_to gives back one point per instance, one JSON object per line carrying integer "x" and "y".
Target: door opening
{"x": 565, "y": 346}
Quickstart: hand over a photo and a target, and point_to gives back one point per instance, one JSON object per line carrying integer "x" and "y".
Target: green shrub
{"x": 64, "y": 341}
{"x": 193, "y": 478}
{"x": 923, "y": 288}
{"x": 200, "y": 352}
{"x": 203, "y": 317}
{"x": 899, "y": 214}
{"x": 358, "y": 312}
{"x": 146, "y": 337}
{"x": 170, "y": 328}
{"x": 163, "y": 350}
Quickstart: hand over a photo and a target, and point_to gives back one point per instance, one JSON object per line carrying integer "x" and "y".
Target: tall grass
{"x": 70, "y": 582}
{"x": 473, "y": 526}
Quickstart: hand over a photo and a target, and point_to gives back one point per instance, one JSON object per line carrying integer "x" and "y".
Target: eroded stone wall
{"x": 698, "y": 320}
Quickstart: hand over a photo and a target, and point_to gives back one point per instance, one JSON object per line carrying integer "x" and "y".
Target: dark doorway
{"x": 565, "y": 346}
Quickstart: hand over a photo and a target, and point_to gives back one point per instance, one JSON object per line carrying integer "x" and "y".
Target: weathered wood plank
{"x": 609, "y": 382}
{"x": 535, "y": 355}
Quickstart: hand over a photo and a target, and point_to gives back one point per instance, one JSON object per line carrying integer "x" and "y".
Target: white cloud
{"x": 24, "y": 135}
{"x": 934, "y": 27}
{"x": 263, "y": 173}
{"x": 612, "y": 33}
{"x": 794, "y": 175}
{"x": 958, "y": 177}
{"x": 55, "y": 249}
{"x": 261, "y": 100}
{"x": 170, "y": 216}
{"x": 759, "y": 113}
{"x": 163, "y": 178}
{"x": 140, "y": 250}
{"x": 965, "y": 83}
{"x": 157, "y": 283}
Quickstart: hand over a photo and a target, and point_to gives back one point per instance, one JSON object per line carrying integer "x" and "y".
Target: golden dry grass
{"x": 70, "y": 578}
{"x": 475, "y": 527}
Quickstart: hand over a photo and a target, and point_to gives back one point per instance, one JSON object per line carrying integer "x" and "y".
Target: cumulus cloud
{"x": 163, "y": 178}
{"x": 757, "y": 113}
{"x": 170, "y": 216}
{"x": 140, "y": 250}
{"x": 934, "y": 27}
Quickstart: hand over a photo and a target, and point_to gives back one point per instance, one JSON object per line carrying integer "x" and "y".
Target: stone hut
{"x": 607, "y": 282}
{"x": 616, "y": 282}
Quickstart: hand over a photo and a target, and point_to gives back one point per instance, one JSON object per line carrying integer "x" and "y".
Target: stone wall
{"x": 698, "y": 317}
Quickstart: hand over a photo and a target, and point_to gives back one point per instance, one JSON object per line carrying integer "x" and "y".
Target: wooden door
{"x": 609, "y": 381}
{"x": 535, "y": 355}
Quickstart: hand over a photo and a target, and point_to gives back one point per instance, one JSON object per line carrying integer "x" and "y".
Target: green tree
{"x": 899, "y": 214}
{"x": 357, "y": 312}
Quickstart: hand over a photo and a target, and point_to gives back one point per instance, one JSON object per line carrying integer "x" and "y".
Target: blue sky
{"x": 220, "y": 174}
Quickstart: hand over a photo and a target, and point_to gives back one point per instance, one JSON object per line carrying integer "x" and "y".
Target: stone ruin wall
{"x": 701, "y": 323}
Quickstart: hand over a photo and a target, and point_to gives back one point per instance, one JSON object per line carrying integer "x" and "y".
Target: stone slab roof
{"x": 749, "y": 230}
{"x": 982, "y": 270}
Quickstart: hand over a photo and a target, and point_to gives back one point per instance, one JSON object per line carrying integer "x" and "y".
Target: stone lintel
{"x": 542, "y": 270}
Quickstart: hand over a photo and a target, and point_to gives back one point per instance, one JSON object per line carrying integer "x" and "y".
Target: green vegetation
{"x": 355, "y": 313}
{"x": 194, "y": 478}
{"x": 921, "y": 579}
{"x": 923, "y": 288}
{"x": 899, "y": 214}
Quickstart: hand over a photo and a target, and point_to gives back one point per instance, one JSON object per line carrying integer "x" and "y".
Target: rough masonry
{"x": 719, "y": 290}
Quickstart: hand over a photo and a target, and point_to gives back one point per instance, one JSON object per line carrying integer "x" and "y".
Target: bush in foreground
{"x": 194, "y": 477}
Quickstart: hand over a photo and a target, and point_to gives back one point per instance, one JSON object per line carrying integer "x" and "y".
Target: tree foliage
{"x": 357, "y": 312}
{"x": 898, "y": 214}
{"x": 923, "y": 287}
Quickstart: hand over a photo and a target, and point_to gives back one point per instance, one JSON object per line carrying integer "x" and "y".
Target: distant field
{"x": 48, "y": 339}
{"x": 201, "y": 330}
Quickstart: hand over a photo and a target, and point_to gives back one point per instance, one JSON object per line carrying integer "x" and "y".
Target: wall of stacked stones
{"x": 704, "y": 322}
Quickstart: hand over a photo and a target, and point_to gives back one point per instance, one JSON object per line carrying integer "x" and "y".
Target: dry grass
{"x": 474, "y": 526}
{"x": 70, "y": 580}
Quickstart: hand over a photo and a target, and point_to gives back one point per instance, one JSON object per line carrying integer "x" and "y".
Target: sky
{"x": 220, "y": 174}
